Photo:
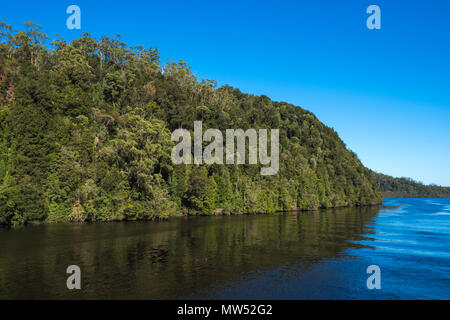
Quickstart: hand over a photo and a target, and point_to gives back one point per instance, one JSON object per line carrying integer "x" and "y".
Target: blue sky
{"x": 386, "y": 92}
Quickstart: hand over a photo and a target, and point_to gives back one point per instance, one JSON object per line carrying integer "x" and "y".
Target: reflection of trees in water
{"x": 169, "y": 259}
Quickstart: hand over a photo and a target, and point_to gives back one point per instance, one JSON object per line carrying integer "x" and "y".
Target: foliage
{"x": 407, "y": 187}
{"x": 85, "y": 136}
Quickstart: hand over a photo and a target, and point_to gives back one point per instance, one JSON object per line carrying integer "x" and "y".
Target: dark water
{"x": 309, "y": 255}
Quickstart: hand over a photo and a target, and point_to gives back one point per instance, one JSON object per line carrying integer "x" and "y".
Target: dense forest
{"x": 407, "y": 187}
{"x": 86, "y": 128}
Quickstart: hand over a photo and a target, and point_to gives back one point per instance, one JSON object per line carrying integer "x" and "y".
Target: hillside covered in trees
{"x": 86, "y": 126}
{"x": 407, "y": 187}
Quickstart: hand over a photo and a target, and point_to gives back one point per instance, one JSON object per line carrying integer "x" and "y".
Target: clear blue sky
{"x": 386, "y": 92}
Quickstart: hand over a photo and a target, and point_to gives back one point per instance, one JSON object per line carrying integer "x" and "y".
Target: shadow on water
{"x": 181, "y": 257}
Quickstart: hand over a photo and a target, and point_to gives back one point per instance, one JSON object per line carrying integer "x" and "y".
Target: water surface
{"x": 306, "y": 255}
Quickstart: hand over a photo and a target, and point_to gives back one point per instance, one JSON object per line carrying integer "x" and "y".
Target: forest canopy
{"x": 407, "y": 187}
{"x": 85, "y": 136}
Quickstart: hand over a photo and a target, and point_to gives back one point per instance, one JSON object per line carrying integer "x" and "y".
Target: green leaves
{"x": 86, "y": 136}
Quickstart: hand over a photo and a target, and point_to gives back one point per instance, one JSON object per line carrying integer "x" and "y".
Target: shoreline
{"x": 46, "y": 222}
{"x": 413, "y": 196}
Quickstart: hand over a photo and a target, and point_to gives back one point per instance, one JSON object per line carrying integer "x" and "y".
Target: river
{"x": 304, "y": 255}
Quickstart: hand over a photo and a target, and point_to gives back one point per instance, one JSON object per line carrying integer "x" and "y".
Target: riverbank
{"x": 184, "y": 215}
{"x": 412, "y": 195}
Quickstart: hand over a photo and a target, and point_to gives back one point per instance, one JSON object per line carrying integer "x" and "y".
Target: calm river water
{"x": 306, "y": 255}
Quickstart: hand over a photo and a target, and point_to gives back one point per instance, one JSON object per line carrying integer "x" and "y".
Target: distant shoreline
{"x": 400, "y": 195}
{"x": 391, "y": 187}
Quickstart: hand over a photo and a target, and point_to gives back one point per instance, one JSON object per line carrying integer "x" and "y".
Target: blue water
{"x": 409, "y": 239}
{"x": 304, "y": 255}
